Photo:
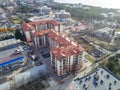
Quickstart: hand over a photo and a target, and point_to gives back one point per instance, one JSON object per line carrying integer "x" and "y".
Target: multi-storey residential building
{"x": 67, "y": 59}
{"x": 32, "y": 27}
{"x": 66, "y": 55}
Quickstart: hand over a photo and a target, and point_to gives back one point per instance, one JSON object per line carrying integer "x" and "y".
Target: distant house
{"x": 111, "y": 24}
{"x": 10, "y": 9}
{"x": 39, "y": 1}
{"x": 86, "y": 8}
{"x": 44, "y": 10}
{"x": 104, "y": 15}
{"x": 104, "y": 33}
{"x": 63, "y": 15}
{"x": 77, "y": 5}
{"x": 111, "y": 14}
{"x": 100, "y": 79}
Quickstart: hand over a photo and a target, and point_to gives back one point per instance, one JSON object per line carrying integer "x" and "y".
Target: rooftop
{"x": 44, "y": 17}
{"x": 101, "y": 79}
{"x": 11, "y": 60}
{"x": 10, "y": 52}
{"x": 63, "y": 12}
{"x": 66, "y": 51}
{"x": 107, "y": 30}
{"x": 31, "y": 25}
{"x": 67, "y": 46}
{"x": 44, "y": 7}
{"x": 10, "y": 55}
{"x": 40, "y": 33}
{"x": 8, "y": 42}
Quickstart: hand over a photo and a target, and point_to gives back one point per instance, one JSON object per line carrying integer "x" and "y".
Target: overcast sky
{"x": 102, "y": 3}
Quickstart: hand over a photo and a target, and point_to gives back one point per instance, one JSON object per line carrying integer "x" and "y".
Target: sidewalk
{"x": 86, "y": 69}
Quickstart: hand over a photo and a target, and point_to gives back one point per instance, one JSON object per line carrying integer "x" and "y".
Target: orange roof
{"x": 58, "y": 38}
{"x": 67, "y": 48}
{"x": 54, "y": 22}
{"x": 27, "y": 27}
{"x": 31, "y": 25}
{"x": 40, "y": 33}
{"x": 66, "y": 51}
{"x": 53, "y": 35}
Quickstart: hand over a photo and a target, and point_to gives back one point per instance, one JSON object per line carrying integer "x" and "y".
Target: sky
{"x": 101, "y": 3}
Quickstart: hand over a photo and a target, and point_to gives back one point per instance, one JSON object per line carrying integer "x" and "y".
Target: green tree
{"x": 19, "y": 35}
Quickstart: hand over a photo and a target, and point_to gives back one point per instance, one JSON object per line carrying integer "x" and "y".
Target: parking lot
{"x": 97, "y": 53}
{"x": 13, "y": 54}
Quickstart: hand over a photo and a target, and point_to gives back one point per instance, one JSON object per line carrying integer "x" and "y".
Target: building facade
{"x": 66, "y": 55}
{"x": 33, "y": 27}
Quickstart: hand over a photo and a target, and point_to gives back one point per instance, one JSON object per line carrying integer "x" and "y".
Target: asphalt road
{"x": 65, "y": 84}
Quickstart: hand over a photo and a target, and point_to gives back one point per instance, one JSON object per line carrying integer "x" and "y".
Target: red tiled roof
{"x": 31, "y": 25}
{"x": 54, "y": 22}
{"x": 27, "y": 27}
{"x": 40, "y": 33}
{"x": 53, "y": 35}
{"x": 66, "y": 51}
{"x": 58, "y": 38}
{"x": 67, "y": 48}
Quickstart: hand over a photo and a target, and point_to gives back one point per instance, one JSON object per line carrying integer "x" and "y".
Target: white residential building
{"x": 66, "y": 55}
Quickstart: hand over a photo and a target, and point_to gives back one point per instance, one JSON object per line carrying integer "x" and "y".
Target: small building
{"x": 39, "y": 1}
{"x": 105, "y": 34}
{"x": 44, "y": 10}
{"x": 104, "y": 15}
{"x": 44, "y": 17}
{"x": 63, "y": 16}
{"x": 77, "y": 5}
{"x": 100, "y": 79}
{"x": 10, "y": 9}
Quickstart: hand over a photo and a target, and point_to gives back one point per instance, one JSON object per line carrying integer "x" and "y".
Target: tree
{"x": 113, "y": 64}
{"x": 19, "y": 35}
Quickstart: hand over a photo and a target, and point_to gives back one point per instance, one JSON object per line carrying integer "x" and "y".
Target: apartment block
{"x": 66, "y": 55}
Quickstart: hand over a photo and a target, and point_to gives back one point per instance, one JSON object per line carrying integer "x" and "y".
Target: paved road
{"x": 65, "y": 84}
